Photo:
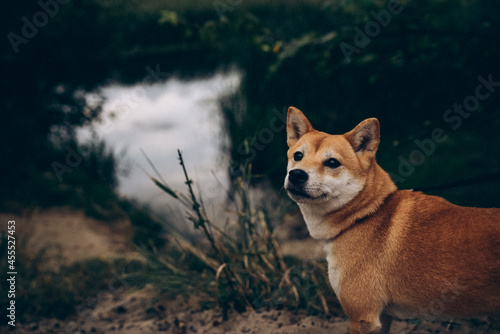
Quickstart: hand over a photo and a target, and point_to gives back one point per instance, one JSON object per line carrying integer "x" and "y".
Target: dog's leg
{"x": 367, "y": 324}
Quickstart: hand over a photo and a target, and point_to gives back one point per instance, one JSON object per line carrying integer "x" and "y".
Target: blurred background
{"x": 105, "y": 79}
{"x": 94, "y": 93}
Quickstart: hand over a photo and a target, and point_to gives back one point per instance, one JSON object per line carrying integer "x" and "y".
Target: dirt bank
{"x": 70, "y": 236}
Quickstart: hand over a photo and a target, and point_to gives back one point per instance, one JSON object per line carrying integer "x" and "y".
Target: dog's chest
{"x": 316, "y": 225}
{"x": 334, "y": 271}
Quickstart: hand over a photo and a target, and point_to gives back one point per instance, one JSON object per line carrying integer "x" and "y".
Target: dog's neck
{"x": 328, "y": 225}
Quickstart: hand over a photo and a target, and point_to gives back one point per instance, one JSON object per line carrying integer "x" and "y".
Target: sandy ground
{"x": 134, "y": 313}
{"x": 70, "y": 236}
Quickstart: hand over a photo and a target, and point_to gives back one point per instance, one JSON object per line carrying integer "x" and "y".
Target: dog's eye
{"x": 332, "y": 163}
{"x": 298, "y": 156}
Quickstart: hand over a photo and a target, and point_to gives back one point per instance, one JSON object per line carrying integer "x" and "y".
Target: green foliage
{"x": 426, "y": 59}
{"x": 44, "y": 80}
{"x": 407, "y": 75}
{"x": 168, "y": 16}
{"x": 89, "y": 181}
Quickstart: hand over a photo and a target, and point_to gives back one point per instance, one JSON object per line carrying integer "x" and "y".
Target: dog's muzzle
{"x": 297, "y": 186}
{"x": 297, "y": 177}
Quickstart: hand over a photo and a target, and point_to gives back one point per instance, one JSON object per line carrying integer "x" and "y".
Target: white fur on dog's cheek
{"x": 342, "y": 189}
{"x": 339, "y": 190}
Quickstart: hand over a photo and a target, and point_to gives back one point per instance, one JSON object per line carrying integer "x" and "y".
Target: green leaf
{"x": 164, "y": 188}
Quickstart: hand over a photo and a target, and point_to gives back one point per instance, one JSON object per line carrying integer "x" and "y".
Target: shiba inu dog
{"x": 391, "y": 253}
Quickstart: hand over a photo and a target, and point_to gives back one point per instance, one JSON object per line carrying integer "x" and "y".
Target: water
{"x": 159, "y": 119}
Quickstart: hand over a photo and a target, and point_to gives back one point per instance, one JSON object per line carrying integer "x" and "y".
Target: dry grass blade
{"x": 246, "y": 267}
{"x": 164, "y": 188}
{"x": 267, "y": 262}
{"x": 279, "y": 254}
{"x": 217, "y": 276}
{"x": 322, "y": 298}
{"x": 187, "y": 246}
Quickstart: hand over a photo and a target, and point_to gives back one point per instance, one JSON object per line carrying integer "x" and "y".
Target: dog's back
{"x": 446, "y": 262}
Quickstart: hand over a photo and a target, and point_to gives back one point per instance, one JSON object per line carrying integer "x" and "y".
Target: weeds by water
{"x": 244, "y": 269}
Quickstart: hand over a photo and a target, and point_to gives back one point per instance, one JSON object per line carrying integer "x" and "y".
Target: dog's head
{"x": 324, "y": 169}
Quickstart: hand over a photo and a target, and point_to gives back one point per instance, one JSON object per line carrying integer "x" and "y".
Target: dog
{"x": 391, "y": 253}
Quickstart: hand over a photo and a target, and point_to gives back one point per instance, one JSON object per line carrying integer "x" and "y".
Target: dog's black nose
{"x": 297, "y": 176}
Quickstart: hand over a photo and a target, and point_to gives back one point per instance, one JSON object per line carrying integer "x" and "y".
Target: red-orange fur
{"x": 402, "y": 248}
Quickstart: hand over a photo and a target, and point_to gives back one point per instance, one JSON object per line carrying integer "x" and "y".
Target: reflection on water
{"x": 160, "y": 119}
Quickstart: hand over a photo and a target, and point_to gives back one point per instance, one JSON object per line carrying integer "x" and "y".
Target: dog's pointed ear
{"x": 365, "y": 137}
{"x": 297, "y": 125}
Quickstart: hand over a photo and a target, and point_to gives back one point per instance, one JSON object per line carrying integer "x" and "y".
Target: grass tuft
{"x": 242, "y": 270}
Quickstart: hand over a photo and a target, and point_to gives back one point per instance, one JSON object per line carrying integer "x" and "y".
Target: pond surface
{"x": 159, "y": 119}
